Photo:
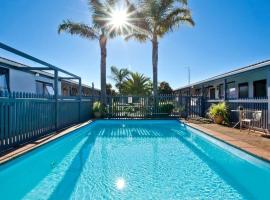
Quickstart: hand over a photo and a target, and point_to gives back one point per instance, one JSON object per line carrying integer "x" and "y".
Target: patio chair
{"x": 256, "y": 117}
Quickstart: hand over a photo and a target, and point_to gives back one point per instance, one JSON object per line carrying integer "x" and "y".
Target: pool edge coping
{"x": 241, "y": 145}
{"x": 18, "y": 152}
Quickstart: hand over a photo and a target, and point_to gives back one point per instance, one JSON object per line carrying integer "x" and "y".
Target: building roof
{"x": 230, "y": 73}
{"x": 44, "y": 73}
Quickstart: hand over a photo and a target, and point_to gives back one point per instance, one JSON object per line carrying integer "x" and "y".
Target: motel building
{"x": 248, "y": 87}
{"x": 15, "y": 78}
{"x": 250, "y": 82}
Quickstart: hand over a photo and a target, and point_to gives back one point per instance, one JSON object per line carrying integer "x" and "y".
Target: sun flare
{"x": 119, "y": 18}
{"x": 120, "y": 183}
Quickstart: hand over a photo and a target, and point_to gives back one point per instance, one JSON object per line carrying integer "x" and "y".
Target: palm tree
{"x": 137, "y": 84}
{"x": 155, "y": 19}
{"x": 102, "y": 30}
{"x": 119, "y": 75}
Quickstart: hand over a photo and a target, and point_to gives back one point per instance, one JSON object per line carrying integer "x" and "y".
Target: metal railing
{"x": 161, "y": 106}
{"x": 251, "y": 104}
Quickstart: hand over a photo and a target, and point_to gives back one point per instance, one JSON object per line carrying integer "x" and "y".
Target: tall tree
{"x": 119, "y": 76}
{"x": 110, "y": 90}
{"x": 137, "y": 84}
{"x": 102, "y": 29}
{"x": 165, "y": 88}
{"x": 155, "y": 19}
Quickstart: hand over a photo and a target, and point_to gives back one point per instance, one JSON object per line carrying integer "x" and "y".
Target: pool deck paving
{"x": 253, "y": 142}
{"x": 14, "y": 153}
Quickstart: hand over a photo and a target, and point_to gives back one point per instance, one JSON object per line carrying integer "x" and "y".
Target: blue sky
{"x": 228, "y": 34}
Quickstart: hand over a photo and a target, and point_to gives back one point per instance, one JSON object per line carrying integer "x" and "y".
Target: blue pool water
{"x": 135, "y": 160}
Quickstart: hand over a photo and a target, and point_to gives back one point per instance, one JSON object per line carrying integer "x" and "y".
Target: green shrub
{"x": 166, "y": 108}
{"x": 220, "y": 109}
{"x": 129, "y": 109}
{"x": 98, "y": 107}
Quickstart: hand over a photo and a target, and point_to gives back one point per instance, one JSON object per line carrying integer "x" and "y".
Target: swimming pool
{"x": 135, "y": 159}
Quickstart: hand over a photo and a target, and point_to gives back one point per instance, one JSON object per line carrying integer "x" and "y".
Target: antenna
{"x": 188, "y": 75}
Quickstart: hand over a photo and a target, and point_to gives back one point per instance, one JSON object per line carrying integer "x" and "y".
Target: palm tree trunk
{"x": 155, "y": 64}
{"x": 103, "y": 48}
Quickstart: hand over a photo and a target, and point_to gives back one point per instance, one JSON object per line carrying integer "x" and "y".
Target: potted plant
{"x": 218, "y": 112}
{"x": 98, "y": 109}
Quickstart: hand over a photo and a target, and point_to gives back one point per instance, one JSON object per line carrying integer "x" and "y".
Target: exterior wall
{"x": 20, "y": 81}
{"x": 72, "y": 89}
{"x": 249, "y": 76}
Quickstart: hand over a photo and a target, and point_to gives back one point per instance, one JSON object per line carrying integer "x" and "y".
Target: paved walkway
{"x": 255, "y": 143}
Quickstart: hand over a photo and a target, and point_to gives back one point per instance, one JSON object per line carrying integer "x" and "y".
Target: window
{"x": 198, "y": 91}
{"x": 212, "y": 93}
{"x": 3, "y": 79}
{"x": 44, "y": 88}
{"x": 243, "y": 90}
{"x": 221, "y": 91}
{"x": 74, "y": 91}
{"x": 259, "y": 88}
{"x": 49, "y": 89}
{"x": 231, "y": 90}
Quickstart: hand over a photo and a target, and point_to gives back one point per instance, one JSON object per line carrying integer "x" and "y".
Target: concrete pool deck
{"x": 14, "y": 153}
{"x": 254, "y": 143}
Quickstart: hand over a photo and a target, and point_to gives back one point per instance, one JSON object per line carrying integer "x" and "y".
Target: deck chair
{"x": 256, "y": 117}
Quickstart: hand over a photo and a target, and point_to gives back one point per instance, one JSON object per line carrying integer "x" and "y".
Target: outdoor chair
{"x": 256, "y": 117}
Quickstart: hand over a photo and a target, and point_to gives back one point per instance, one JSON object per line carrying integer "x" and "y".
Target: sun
{"x": 119, "y": 18}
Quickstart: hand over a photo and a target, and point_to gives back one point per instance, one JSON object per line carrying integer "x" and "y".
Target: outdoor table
{"x": 241, "y": 115}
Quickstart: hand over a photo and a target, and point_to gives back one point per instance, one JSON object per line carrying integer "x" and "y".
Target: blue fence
{"x": 161, "y": 106}
{"x": 25, "y": 117}
{"x": 254, "y": 104}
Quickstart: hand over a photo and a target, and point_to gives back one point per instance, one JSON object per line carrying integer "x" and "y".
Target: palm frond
{"x": 137, "y": 84}
{"x": 184, "y": 2}
{"x": 78, "y": 29}
{"x": 114, "y": 70}
{"x": 138, "y": 22}
{"x": 124, "y": 72}
{"x": 99, "y": 12}
{"x": 119, "y": 76}
{"x": 137, "y": 36}
{"x": 173, "y": 19}
{"x": 161, "y": 16}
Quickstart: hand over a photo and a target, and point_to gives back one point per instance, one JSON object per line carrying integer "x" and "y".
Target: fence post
{"x": 268, "y": 97}
{"x": 80, "y": 98}
{"x": 225, "y": 89}
{"x": 202, "y": 106}
{"x": 56, "y": 97}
